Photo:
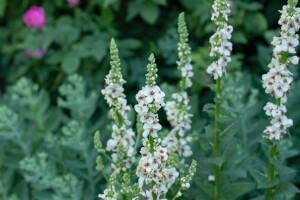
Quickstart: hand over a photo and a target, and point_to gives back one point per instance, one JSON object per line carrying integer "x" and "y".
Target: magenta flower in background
{"x": 35, "y": 54}
{"x": 73, "y": 3}
{"x": 35, "y": 17}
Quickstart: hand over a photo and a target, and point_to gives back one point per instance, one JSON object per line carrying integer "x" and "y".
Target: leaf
{"x": 239, "y": 37}
{"x": 264, "y": 55}
{"x": 250, "y": 6}
{"x": 255, "y": 23}
{"x": 2, "y": 7}
{"x": 133, "y": 10}
{"x": 230, "y": 130}
{"x": 217, "y": 161}
{"x": 70, "y": 63}
{"x": 233, "y": 191}
{"x": 161, "y": 2}
{"x": 129, "y": 43}
{"x": 149, "y": 12}
{"x": 107, "y": 3}
{"x": 285, "y": 188}
{"x": 209, "y": 108}
{"x": 262, "y": 179}
{"x": 205, "y": 144}
{"x": 259, "y": 198}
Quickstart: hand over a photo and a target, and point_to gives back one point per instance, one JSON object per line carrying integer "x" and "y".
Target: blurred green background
{"x": 51, "y": 106}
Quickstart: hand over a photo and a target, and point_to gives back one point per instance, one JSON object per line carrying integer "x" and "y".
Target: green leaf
{"x": 107, "y": 3}
{"x": 239, "y": 37}
{"x": 233, "y": 191}
{"x": 255, "y": 23}
{"x": 129, "y": 43}
{"x": 250, "y": 6}
{"x": 285, "y": 188}
{"x": 2, "y": 7}
{"x": 133, "y": 10}
{"x": 161, "y": 2}
{"x": 209, "y": 108}
{"x": 70, "y": 63}
{"x": 149, "y": 12}
{"x": 205, "y": 144}
{"x": 262, "y": 179}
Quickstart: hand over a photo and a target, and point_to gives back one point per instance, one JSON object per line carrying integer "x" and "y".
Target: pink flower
{"x": 35, "y": 54}
{"x": 73, "y": 3}
{"x": 35, "y": 17}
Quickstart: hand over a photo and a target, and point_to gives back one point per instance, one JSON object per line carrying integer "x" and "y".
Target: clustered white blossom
{"x": 178, "y": 114}
{"x": 155, "y": 177}
{"x": 178, "y": 110}
{"x": 278, "y": 80}
{"x": 110, "y": 192}
{"x": 221, "y": 47}
{"x": 113, "y": 94}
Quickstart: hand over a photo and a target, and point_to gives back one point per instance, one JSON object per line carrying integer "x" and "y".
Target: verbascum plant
{"x": 277, "y": 83}
{"x": 178, "y": 110}
{"x": 220, "y": 51}
{"x": 122, "y": 142}
{"x": 155, "y": 177}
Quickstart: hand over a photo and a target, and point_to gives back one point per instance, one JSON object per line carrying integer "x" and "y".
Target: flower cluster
{"x": 221, "y": 47}
{"x": 35, "y": 17}
{"x": 149, "y": 99}
{"x": 178, "y": 114}
{"x": 110, "y": 193}
{"x": 279, "y": 123}
{"x": 278, "y": 80}
{"x": 184, "y": 53}
{"x": 152, "y": 169}
{"x": 178, "y": 110}
{"x": 36, "y": 54}
{"x": 113, "y": 94}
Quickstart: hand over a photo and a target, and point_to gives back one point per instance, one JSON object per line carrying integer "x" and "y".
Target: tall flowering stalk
{"x": 278, "y": 80}
{"x": 220, "y": 50}
{"x": 123, "y": 138}
{"x": 155, "y": 177}
{"x": 116, "y": 99}
{"x": 178, "y": 110}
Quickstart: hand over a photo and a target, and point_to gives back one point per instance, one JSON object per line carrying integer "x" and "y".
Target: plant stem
{"x": 271, "y": 171}
{"x": 175, "y": 196}
{"x": 151, "y": 140}
{"x": 217, "y": 167}
{"x": 107, "y": 157}
{"x": 139, "y": 132}
{"x": 271, "y": 167}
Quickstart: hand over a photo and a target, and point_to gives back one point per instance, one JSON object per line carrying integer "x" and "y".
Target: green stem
{"x": 119, "y": 119}
{"x": 175, "y": 197}
{"x": 271, "y": 171}
{"x": 151, "y": 140}
{"x": 104, "y": 176}
{"x": 183, "y": 84}
{"x": 217, "y": 167}
{"x": 107, "y": 157}
{"x": 139, "y": 132}
{"x": 271, "y": 167}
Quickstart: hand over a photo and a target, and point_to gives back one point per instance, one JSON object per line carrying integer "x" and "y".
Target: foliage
{"x": 50, "y": 106}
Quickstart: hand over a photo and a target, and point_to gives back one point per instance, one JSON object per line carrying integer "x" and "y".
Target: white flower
{"x": 221, "y": 47}
{"x": 148, "y": 195}
{"x": 294, "y": 60}
{"x": 151, "y": 129}
{"x": 215, "y": 70}
{"x": 211, "y": 178}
